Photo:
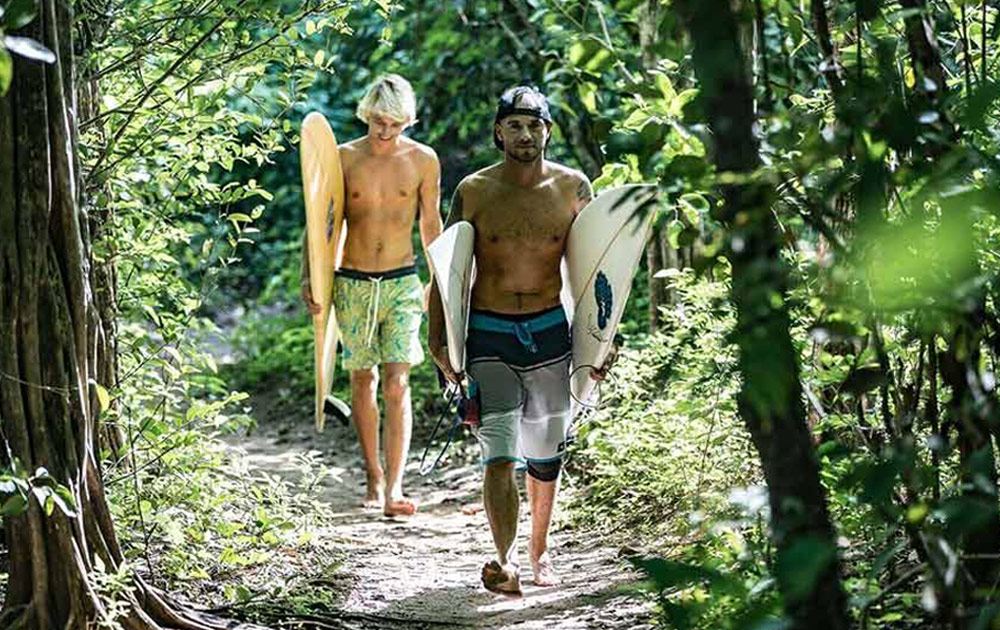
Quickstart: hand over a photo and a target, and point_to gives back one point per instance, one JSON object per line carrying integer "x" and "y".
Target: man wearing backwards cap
{"x": 518, "y": 347}
{"x": 390, "y": 182}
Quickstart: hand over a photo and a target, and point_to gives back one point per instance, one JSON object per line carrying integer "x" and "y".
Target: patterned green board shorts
{"x": 379, "y": 317}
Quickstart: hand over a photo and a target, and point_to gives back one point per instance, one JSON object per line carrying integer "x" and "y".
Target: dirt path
{"x": 423, "y": 571}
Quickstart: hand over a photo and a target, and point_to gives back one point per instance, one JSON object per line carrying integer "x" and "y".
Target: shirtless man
{"x": 518, "y": 347}
{"x": 390, "y": 181}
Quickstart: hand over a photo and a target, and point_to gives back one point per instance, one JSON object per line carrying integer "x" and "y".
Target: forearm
{"x": 430, "y": 229}
{"x": 435, "y": 318}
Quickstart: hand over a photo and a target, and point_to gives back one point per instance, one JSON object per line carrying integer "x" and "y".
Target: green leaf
{"x": 16, "y": 504}
{"x": 6, "y": 71}
{"x": 19, "y": 14}
{"x": 102, "y": 396}
{"x": 29, "y": 49}
{"x": 668, "y": 574}
{"x": 63, "y": 499}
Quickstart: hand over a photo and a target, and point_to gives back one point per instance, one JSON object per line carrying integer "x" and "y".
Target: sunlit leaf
{"x": 6, "y": 70}
{"x": 103, "y": 397}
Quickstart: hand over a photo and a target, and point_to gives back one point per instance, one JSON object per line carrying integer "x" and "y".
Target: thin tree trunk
{"x": 770, "y": 400}
{"x": 659, "y": 253}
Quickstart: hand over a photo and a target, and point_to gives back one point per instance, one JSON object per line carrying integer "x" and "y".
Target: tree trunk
{"x": 49, "y": 355}
{"x": 770, "y": 400}
{"x": 659, "y": 254}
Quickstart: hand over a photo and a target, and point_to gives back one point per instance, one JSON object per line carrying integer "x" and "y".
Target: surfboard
{"x": 603, "y": 250}
{"x": 323, "y": 191}
{"x": 454, "y": 268}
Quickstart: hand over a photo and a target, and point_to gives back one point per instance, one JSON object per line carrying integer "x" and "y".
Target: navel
{"x": 402, "y": 193}
{"x": 355, "y": 195}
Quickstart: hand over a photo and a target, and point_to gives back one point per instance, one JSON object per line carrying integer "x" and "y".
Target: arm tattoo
{"x": 455, "y": 213}
{"x": 584, "y": 192}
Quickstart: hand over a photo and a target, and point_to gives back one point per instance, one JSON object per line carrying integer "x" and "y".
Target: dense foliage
{"x": 878, "y": 133}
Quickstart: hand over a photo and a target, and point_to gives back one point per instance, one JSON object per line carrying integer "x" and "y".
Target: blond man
{"x": 391, "y": 182}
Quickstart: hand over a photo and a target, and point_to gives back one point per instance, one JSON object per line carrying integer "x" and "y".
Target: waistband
{"x": 488, "y": 321}
{"x": 390, "y": 274}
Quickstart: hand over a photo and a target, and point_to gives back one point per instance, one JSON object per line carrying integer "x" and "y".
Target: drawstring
{"x": 524, "y": 336}
{"x": 372, "y": 322}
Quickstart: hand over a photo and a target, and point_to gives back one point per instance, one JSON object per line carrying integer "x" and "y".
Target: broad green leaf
{"x": 64, "y": 500}
{"x": 16, "y": 504}
{"x": 319, "y": 57}
{"x": 19, "y": 14}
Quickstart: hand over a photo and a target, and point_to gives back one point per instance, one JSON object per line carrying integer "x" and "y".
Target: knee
{"x": 500, "y": 468}
{"x": 545, "y": 470}
{"x": 364, "y": 382}
{"x": 395, "y": 388}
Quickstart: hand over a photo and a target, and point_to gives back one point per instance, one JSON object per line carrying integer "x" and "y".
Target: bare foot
{"x": 545, "y": 573}
{"x": 472, "y": 509}
{"x": 399, "y": 507}
{"x": 504, "y": 581}
{"x": 375, "y": 497}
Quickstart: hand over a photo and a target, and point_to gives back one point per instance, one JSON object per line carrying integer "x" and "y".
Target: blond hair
{"x": 391, "y": 95}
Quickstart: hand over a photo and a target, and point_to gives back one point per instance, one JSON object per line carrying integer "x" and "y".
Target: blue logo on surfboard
{"x": 602, "y": 293}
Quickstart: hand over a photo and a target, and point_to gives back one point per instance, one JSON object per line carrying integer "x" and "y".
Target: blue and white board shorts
{"x": 521, "y": 365}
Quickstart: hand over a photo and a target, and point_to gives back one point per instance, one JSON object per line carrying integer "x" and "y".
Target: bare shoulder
{"x": 480, "y": 181}
{"x": 422, "y": 155}
{"x": 572, "y": 183}
{"x": 469, "y": 193}
{"x": 566, "y": 176}
{"x": 352, "y": 150}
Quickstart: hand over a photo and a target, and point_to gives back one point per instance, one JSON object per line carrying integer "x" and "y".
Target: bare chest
{"x": 380, "y": 183}
{"x": 516, "y": 219}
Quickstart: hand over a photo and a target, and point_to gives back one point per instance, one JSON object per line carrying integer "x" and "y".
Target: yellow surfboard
{"x": 323, "y": 190}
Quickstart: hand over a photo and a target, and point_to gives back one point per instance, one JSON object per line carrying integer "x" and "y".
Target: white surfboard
{"x": 451, "y": 259}
{"x": 603, "y": 250}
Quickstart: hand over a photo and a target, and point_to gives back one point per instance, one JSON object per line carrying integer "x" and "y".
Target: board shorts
{"x": 379, "y": 315}
{"x": 520, "y": 364}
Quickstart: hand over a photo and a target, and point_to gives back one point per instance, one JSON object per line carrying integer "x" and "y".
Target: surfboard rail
{"x": 453, "y": 265}
{"x": 323, "y": 196}
{"x": 603, "y": 251}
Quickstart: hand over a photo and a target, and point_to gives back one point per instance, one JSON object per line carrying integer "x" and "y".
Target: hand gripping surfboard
{"x": 603, "y": 250}
{"x": 451, "y": 259}
{"x": 323, "y": 191}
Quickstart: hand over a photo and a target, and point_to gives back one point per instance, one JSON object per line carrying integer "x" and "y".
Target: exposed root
{"x": 16, "y": 618}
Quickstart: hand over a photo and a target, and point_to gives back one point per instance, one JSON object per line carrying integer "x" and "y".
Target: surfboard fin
{"x": 337, "y": 408}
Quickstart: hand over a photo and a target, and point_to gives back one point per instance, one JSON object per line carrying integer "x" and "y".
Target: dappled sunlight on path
{"x": 423, "y": 571}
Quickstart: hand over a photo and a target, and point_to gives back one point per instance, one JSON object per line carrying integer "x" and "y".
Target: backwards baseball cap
{"x": 521, "y": 100}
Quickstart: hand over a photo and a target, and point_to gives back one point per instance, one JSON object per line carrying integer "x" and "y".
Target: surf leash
{"x": 463, "y": 410}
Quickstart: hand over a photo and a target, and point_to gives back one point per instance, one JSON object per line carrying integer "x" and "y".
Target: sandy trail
{"x": 423, "y": 571}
